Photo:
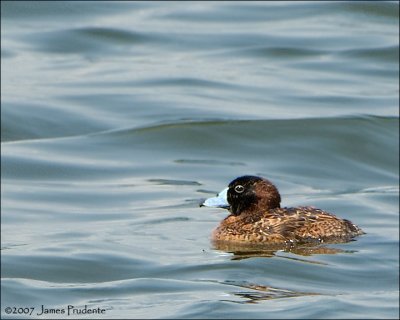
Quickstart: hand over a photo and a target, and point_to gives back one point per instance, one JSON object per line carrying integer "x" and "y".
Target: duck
{"x": 256, "y": 217}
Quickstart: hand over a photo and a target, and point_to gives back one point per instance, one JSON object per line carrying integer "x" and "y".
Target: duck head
{"x": 246, "y": 193}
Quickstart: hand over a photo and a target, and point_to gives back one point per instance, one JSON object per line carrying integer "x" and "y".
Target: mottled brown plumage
{"x": 256, "y": 217}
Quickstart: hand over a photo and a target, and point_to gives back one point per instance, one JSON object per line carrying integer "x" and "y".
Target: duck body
{"x": 256, "y": 217}
{"x": 283, "y": 225}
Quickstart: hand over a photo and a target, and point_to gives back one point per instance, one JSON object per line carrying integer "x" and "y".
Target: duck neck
{"x": 256, "y": 210}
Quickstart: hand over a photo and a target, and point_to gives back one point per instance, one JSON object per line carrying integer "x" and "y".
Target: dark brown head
{"x": 252, "y": 192}
{"x": 247, "y": 193}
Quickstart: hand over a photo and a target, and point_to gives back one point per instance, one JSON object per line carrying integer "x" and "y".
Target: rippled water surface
{"x": 118, "y": 118}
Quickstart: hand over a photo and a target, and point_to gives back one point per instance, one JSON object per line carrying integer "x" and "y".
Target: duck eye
{"x": 239, "y": 188}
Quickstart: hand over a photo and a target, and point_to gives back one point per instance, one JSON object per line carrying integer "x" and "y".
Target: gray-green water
{"x": 117, "y": 118}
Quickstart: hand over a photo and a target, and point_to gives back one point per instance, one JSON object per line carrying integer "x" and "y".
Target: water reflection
{"x": 258, "y": 292}
{"x": 244, "y": 251}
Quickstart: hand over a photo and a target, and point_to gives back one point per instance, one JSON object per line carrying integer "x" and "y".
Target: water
{"x": 118, "y": 118}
